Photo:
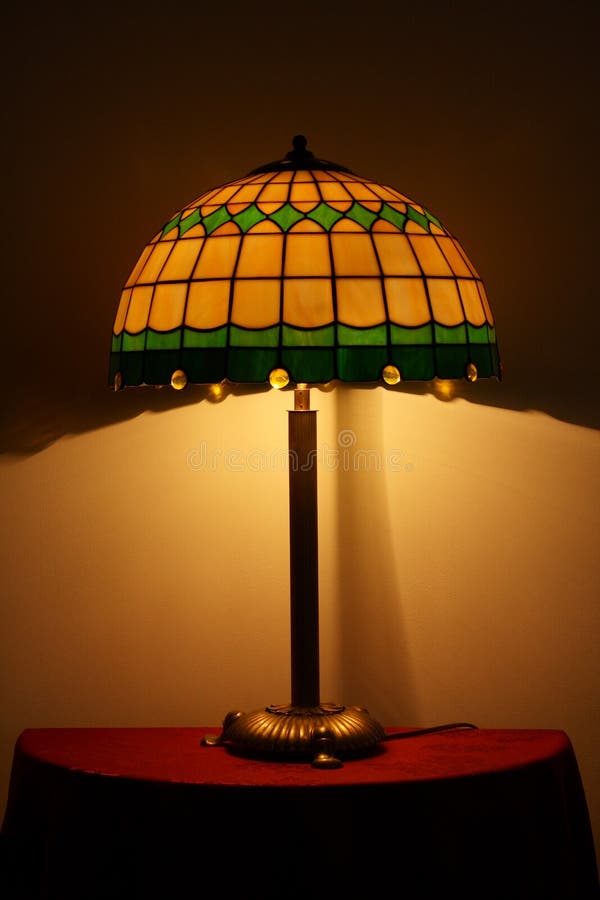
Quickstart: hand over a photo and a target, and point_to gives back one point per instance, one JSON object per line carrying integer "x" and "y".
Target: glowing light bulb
{"x": 471, "y": 372}
{"x": 216, "y": 392}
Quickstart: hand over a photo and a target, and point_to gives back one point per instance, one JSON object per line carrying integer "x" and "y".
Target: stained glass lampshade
{"x": 302, "y": 273}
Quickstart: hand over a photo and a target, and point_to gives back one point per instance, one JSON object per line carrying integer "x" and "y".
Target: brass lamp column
{"x": 306, "y": 728}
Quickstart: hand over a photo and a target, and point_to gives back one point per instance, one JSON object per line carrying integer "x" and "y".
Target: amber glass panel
{"x": 395, "y": 254}
{"x": 360, "y": 191}
{"x": 304, "y": 191}
{"x": 471, "y": 301}
{"x": 387, "y": 193}
{"x": 260, "y": 256}
{"x": 156, "y": 261}
{"x": 407, "y": 301}
{"x": 208, "y": 304}
{"x": 413, "y": 227}
{"x": 168, "y": 303}
{"x": 445, "y": 302}
{"x": 307, "y": 254}
{"x": 256, "y": 304}
{"x": 455, "y": 259}
{"x": 460, "y": 249}
{"x": 139, "y": 265}
{"x": 137, "y": 315}
{"x": 360, "y": 302}
{"x": 265, "y": 227}
{"x": 384, "y": 225}
{"x": 218, "y": 257}
{"x": 307, "y": 302}
{"x": 353, "y": 254}
{"x": 306, "y": 225}
{"x": 333, "y": 190}
{"x": 182, "y": 260}
{"x": 486, "y": 305}
{"x": 346, "y": 225}
{"x": 429, "y": 255}
{"x": 218, "y": 198}
{"x": 273, "y": 193}
{"x": 122, "y": 312}
{"x": 248, "y": 193}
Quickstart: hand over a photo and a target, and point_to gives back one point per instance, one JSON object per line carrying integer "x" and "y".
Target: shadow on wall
{"x": 37, "y": 415}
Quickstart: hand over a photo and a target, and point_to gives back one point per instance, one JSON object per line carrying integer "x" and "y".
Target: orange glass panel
{"x": 306, "y": 226}
{"x": 445, "y": 302}
{"x": 234, "y": 207}
{"x": 305, "y": 206}
{"x": 387, "y": 193}
{"x": 395, "y": 254}
{"x": 384, "y": 225}
{"x": 218, "y": 257}
{"x": 303, "y": 175}
{"x": 256, "y": 303}
{"x": 167, "y": 307}
{"x": 360, "y": 302}
{"x": 360, "y": 191}
{"x": 307, "y": 254}
{"x": 208, "y": 304}
{"x": 397, "y": 204}
{"x": 218, "y": 198}
{"x": 303, "y": 191}
{"x": 248, "y": 193}
{"x": 340, "y": 205}
{"x": 353, "y": 254}
{"x": 282, "y": 178}
{"x": 260, "y": 256}
{"x": 139, "y": 306}
{"x": 265, "y": 226}
{"x": 407, "y": 301}
{"x": 182, "y": 260}
{"x": 435, "y": 230}
{"x": 488, "y": 312}
{"x": 121, "y": 312}
{"x": 474, "y": 312}
{"x": 156, "y": 261}
{"x": 414, "y": 228}
{"x": 226, "y": 228}
{"x": 139, "y": 265}
{"x": 307, "y": 302}
{"x": 429, "y": 255}
{"x": 195, "y": 231}
{"x": 171, "y": 235}
{"x": 346, "y": 225}
{"x": 273, "y": 193}
{"x": 466, "y": 258}
{"x": 334, "y": 190}
{"x": 455, "y": 259}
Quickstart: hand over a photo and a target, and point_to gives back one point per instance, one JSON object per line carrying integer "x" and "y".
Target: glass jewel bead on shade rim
{"x": 303, "y": 266}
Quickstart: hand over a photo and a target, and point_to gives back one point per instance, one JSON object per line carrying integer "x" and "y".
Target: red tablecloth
{"x": 127, "y": 813}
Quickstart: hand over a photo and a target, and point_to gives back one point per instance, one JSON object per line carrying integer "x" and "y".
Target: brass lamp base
{"x": 322, "y": 734}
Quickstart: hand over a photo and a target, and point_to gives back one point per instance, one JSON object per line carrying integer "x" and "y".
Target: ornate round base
{"x": 324, "y": 734}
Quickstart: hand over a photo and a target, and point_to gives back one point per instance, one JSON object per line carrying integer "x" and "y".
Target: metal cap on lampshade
{"x": 303, "y": 268}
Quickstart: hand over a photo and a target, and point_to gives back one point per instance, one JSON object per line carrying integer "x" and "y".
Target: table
{"x": 103, "y": 813}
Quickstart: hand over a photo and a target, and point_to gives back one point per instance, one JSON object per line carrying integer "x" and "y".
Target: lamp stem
{"x": 304, "y": 567}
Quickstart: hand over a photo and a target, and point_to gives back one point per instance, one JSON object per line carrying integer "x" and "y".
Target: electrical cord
{"x": 418, "y": 731}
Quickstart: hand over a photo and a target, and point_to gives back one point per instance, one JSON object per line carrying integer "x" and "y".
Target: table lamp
{"x": 300, "y": 274}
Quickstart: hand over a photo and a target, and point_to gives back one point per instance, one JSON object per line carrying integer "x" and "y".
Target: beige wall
{"x": 146, "y": 582}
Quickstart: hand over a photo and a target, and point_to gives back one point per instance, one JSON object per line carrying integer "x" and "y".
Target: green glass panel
{"x": 250, "y": 365}
{"x": 451, "y": 360}
{"x": 215, "y": 338}
{"x": 361, "y": 215}
{"x": 133, "y": 341}
{"x": 206, "y": 366}
{"x": 286, "y": 216}
{"x": 308, "y": 337}
{"x": 402, "y": 335}
{"x": 113, "y": 367}
{"x": 414, "y": 363}
{"x": 495, "y": 361}
{"x": 325, "y": 215}
{"x": 491, "y": 334}
{"x": 163, "y": 340}
{"x": 171, "y": 225}
{"x": 116, "y": 342}
{"x": 433, "y": 219}
{"x": 159, "y": 365}
{"x": 480, "y": 355}
{"x": 189, "y": 222}
{"x": 446, "y": 335}
{"x": 314, "y": 366}
{"x": 393, "y": 215}
{"x": 361, "y": 363}
{"x": 248, "y": 337}
{"x": 478, "y": 334}
{"x": 418, "y": 217}
{"x": 216, "y": 218}
{"x": 249, "y": 217}
{"x": 367, "y": 337}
